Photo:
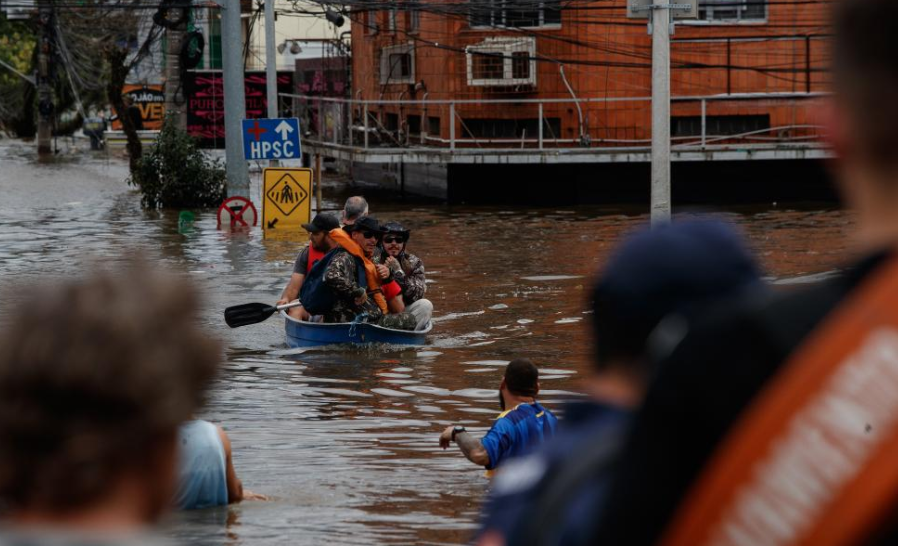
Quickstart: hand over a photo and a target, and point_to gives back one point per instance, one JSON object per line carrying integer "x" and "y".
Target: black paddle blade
{"x": 248, "y": 313}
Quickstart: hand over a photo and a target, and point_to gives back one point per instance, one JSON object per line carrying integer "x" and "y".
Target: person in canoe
{"x": 369, "y": 293}
{"x": 356, "y": 207}
{"x": 320, "y": 243}
{"x": 406, "y": 268}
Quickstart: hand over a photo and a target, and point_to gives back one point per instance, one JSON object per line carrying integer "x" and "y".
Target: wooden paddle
{"x": 252, "y": 313}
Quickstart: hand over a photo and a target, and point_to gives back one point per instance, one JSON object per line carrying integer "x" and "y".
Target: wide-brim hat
{"x": 368, "y": 223}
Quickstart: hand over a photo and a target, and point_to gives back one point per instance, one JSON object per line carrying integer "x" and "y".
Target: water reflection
{"x": 346, "y": 441}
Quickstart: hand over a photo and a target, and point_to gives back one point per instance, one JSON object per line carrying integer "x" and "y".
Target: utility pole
{"x": 271, "y": 68}
{"x": 234, "y": 99}
{"x": 44, "y": 91}
{"x": 174, "y": 90}
{"x": 660, "y": 26}
{"x": 660, "y": 22}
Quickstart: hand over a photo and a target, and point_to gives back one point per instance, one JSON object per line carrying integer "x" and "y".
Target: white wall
{"x": 290, "y": 26}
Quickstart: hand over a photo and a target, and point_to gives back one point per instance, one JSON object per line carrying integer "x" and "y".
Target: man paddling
{"x": 320, "y": 243}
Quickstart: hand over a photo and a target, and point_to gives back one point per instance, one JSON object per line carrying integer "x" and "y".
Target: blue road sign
{"x": 276, "y": 138}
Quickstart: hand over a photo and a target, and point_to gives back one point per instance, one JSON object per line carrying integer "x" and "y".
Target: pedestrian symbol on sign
{"x": 287, "y": 194}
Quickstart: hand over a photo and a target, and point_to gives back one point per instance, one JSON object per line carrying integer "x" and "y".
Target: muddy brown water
{"x": 345, "y": 442}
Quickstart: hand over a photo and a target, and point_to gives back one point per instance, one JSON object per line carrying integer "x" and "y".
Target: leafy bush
{"x": 176, "y": 174}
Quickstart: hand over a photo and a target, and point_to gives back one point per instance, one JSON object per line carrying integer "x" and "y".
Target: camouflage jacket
{"x": 341, "y": 277}
{"x": 408, "y": 272}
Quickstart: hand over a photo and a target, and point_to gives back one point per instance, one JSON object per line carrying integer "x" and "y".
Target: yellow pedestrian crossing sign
{"x": 287, "y": 201}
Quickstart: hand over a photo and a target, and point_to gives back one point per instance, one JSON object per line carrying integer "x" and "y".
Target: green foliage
{"x": 17, "y": 48}
{"x": 176, "y": 174}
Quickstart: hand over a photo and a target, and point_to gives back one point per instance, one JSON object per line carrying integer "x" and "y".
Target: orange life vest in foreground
{"x": 314, "y": 256}
{"x": 374, "y": 291}
{"x": 812, "y": 461}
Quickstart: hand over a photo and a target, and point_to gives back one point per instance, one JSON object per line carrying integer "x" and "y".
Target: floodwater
{"x": 345, "y": 442}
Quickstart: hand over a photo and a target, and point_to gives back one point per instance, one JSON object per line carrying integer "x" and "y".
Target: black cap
{"x": 369, "y": 223}
{"x": 322, "y": 222}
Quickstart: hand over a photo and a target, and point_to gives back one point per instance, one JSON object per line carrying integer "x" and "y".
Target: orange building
{"x": 481, "y": 50}
{"x": 457, "y": 98}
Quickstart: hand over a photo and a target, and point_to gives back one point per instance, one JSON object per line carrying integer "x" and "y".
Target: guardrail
{"x": 600, "y": 123}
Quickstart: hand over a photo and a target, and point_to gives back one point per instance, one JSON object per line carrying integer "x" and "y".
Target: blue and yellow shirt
{"x": 517, "y": 432}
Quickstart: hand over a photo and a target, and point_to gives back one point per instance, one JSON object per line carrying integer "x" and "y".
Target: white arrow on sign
{"x": 284, "y": 129}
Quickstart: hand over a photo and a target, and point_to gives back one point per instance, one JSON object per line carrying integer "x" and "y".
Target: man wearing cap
{"x": 517, "y": 430}
{"x": 320, "y": 243}
{"x": 355, "y": 245}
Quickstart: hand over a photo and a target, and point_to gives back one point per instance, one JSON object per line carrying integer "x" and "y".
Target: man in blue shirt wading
{"x": 517, "y": 430}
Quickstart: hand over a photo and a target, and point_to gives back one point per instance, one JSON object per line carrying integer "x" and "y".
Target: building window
{"x": 392, "y": 15}
{"x": 413, "y": 14}
{"x": 515, "y": 13}
{"x": 502, "y": 62}
{"x": 732, "y": 10}
{"x": 397, "y": 65}
{"x": 391, "y": 122}
{"x": 433, "y": 125}
{"x": 488, "y": 66}
{"x": 368, "y": 18}
{"x": 414, "y": 124}
{"x": 520, "y": 65}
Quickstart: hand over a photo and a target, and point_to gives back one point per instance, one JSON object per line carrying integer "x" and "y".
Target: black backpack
{"x": 317, "y": 298}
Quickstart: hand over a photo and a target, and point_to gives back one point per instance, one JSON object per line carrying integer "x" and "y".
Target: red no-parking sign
{"x": 237, "y": 212}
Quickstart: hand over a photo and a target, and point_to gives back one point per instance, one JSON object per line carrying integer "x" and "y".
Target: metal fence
{"x": 699, "y": 122}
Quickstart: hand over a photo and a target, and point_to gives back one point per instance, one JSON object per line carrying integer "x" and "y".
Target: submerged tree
{"x": 17, "y": 49}
{"x": 121, "y": 34}
{"x": 176, "y": 174}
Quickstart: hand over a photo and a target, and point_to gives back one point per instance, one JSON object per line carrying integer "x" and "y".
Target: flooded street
{"x": 345, "y": 442}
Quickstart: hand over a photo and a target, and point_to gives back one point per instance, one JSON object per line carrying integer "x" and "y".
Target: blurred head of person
{"x": 863, "y": 120}
{"x": 356, "y": 207}
{"x": 520, "y": 383}
{"x": 655, "y": 283}
{"x": 96, "y": 374}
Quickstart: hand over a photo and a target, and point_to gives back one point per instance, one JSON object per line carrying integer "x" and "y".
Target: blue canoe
{"x": 313, "y": 334}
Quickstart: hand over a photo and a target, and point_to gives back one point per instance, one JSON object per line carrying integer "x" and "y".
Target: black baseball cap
{"x": 368, "y": 223}
{"x": 322, "y": 222}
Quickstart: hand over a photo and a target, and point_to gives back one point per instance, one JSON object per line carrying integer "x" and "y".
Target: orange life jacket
{"x": 342, "y": 238}
{"x": 812, "y": 460}
{"x": 314, "y": 256}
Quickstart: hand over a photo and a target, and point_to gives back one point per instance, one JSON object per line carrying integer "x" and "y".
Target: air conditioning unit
{"x": 23, "y": 9}
{"x": 502, "y": 62}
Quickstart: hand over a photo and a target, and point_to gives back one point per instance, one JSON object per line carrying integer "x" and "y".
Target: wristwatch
{"x": 457, "y": 430}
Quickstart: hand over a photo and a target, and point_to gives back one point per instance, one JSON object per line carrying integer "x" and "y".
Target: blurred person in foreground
{"x": 522, "y": 426}
{"x": 654, "y": 284}
{"x": 95, "y": 379}
{"x": 774, "y": 422}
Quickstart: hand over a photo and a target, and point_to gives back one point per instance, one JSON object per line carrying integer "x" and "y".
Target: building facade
{"x": 579, "y": 74}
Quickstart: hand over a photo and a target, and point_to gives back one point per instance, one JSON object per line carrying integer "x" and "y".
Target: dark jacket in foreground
{"x": 699, "y": 393}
